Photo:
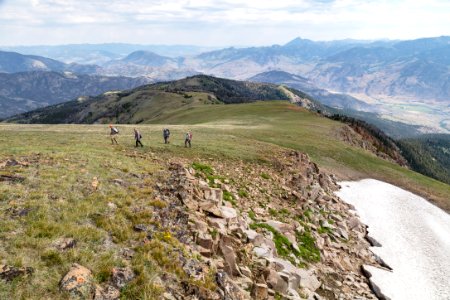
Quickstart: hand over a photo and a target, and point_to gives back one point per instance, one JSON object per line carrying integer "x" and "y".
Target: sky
{"x": 217, "y": 22}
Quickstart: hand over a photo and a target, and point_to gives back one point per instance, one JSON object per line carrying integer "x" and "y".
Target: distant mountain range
{"x": 21, "y": 92}
{"x": 11, "y": 62}
{"x": 416, "y": 71}
{"x": 102, "y": 53}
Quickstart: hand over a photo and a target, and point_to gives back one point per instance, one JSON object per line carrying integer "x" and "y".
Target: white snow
{"x": 415, "y": 238}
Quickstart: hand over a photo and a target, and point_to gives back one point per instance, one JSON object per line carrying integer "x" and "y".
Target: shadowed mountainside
{"x": 20, "y": 92}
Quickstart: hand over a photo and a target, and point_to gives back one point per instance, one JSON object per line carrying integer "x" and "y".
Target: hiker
{"x": 166, "y": 135}
{"x": 138, "y": 137}
{"x": 188, "y": 139}
{"x": 113, "y": 133}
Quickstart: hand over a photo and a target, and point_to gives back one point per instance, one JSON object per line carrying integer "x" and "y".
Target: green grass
{"x": 307, "y": 252}
{"x": 64, "y": 159}
{"x": 307, "y": 247}
{"x": 227, "y": 196}
{"x": 239, "y": 131}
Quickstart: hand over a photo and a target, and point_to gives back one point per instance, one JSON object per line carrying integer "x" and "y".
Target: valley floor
{"x": 432, "y": 116}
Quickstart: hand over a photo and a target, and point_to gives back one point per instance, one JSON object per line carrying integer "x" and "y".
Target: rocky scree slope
{"x": 248, "y": 231}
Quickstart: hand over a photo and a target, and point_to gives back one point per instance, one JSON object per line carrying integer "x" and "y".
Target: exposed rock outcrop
{"x": 270, "y": 232}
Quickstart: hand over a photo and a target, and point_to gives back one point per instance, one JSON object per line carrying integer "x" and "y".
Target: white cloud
{"x": 222, "y": 22}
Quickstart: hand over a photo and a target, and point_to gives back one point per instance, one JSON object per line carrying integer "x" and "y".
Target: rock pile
{"x": 281, "y": 233}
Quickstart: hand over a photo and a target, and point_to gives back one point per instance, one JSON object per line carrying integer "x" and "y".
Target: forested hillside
{"x": 429, "y": 155}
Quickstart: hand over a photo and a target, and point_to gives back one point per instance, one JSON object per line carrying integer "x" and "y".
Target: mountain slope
{"x": 335, "y": 100}
{"x": 148, "y": 64}
{"x": 147, "y": 58}
{"x": 148, "y": 102}
{"x": 12, "y": 62}
{"x": 429, "y": 154}
{"x": 22, "y": 92}
{"x": 417, "y": 69}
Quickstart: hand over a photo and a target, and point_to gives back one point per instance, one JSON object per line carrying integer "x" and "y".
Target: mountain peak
{"x": 147, "y": 58}
{"x": 298, "y": 41}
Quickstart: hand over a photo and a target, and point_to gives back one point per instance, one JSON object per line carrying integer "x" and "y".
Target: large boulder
{"x": 213, "y": 195}
{"x": 276, "y": 281}
{"x": 231, "y": 266}
{"x": 211, "y": 208}
{"x": 302, "y": 277}
{"x": 78, "y": 282}
{"x": 228, "y": 213}
{"x": 206, "y": 241}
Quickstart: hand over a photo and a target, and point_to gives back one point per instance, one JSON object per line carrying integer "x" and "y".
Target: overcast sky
{"x": 217, "y": 23}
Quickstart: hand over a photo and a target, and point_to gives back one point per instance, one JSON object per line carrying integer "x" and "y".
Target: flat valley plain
{"x": 434, "y": 116}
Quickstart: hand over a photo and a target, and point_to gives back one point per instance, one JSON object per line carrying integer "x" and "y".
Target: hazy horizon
{"x": 220, "y": 23}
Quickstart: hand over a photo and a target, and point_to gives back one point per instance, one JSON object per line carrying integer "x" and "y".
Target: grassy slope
{"x": 289, "y": 126}
{"x": 224, "y": 130}
{"x": 65, "y": 158}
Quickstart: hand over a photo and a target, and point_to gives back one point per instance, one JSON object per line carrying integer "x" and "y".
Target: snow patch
{"x": 415, "y": 236}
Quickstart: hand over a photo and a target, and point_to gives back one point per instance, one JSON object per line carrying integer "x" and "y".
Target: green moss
{"x": 252, "y": 215}
{"x": 227, "y": 196}
{"x": 323, "y": 230}
{"x": 213, "y": 233}
{"x": 273, "y": 212}
{"x": 243, "y": 193}
{"x": 306, "y": 244}
{"x": 308, "y": 213}
{"x": 283, "y": 245}
{"x": 205, "y": 169}
{"x": 265, "y": 176}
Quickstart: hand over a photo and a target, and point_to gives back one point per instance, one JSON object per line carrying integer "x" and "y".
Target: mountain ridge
{"x": 189, "y": 91}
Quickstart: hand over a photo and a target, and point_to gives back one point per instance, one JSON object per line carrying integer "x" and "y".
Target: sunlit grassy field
{"x": 56, "y": 184}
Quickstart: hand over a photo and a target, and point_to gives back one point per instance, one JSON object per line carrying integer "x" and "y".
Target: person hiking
{"x": 166, "y": 135}
{"x": 138, "y": 137}
{"x": 188, "y": 139}
{"x": 113, "y": 133}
